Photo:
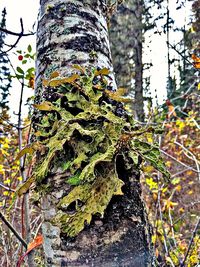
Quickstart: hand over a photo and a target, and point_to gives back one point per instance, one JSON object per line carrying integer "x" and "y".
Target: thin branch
{"x": 16, "y": 33}
{"x": 181, "y": 163}
{"x": 192, "y": 157}
{"x": 172, "y": 227}
{"x": 180, "y": 172}
{"x": 25, "y": 202}
{"x": 13, "y": 230}
{"x": 6, "y": 187}
{"x": 191, "y": 242}
{"x": 185, "y": 93}
{"x": 180, "y": 54}
{"x": 20, "y": 35}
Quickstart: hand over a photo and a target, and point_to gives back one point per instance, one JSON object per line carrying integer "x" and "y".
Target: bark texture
{"x": 73, "y": 32}
{"x": 126, "y": 37}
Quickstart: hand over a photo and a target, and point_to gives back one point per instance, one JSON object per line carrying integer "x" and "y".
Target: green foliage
{"x": 83, "y": 120}
{"x": 25, "y": 75}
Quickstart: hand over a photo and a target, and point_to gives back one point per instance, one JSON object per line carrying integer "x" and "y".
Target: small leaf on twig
{"x": 103, "y": 71}
{"x": 45, "y": 106}
{"x": 24, "y": 151}
{"x": 35, "y": 243}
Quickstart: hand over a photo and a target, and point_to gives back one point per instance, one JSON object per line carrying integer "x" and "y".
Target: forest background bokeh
{"x": 156, "y": 56}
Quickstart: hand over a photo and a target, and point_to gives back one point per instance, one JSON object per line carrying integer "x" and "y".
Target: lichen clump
{"x": 88, "y": 122}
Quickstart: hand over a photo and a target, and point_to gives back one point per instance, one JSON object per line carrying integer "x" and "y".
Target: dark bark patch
{"x": 86, "y": 44}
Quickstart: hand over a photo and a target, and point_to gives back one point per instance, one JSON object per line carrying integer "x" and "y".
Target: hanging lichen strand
{"x": 81, "y": 133}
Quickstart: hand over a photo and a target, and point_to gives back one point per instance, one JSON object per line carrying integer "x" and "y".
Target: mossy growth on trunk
{"x": 82, "y": 132}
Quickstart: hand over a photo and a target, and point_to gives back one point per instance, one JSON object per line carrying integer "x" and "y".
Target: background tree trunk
{"x": 73, "y": 32}
{"x": 126, "y": 37}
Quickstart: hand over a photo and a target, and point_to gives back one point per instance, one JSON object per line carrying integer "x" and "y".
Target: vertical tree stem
{"x": 23, "y": 174}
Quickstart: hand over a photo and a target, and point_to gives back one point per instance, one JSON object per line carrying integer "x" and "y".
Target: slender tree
{"x": 4, "y": 69}
{"x": 126, "y": 37}
{"x": 86, "y": 173}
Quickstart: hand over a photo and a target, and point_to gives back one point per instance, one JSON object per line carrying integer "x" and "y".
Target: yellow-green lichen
{"x": 85, "y": 120}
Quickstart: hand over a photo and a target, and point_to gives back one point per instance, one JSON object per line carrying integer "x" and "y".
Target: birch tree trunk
{"x": 75, "y": 32}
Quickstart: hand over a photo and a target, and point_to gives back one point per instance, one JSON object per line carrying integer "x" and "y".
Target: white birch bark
{"x": 70, "y": 32}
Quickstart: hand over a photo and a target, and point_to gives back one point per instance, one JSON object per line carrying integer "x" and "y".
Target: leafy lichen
{"x": 84, "y": 117}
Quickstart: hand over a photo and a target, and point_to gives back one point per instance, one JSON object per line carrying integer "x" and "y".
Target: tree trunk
{"x": 126, "y": 37}
{"x": 75, "y": 32}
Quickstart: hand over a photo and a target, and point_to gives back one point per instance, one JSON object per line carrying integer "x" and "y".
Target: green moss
{"x": 84, "y": 121}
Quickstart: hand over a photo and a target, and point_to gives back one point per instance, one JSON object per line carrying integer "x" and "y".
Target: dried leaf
{"x": 80, "y": 68}
{"x": 24, "y": 187}
{"x": 54, "y": 74}
{"x": 58, "y": 82}
{"x": 45, "y": 106}
{"x": 45, "y": 82}
{"x": 24, "y": 151}
{"x": 196, "y": 62}
{"x": 35, "y": 243}
{"x": 103, "y": 71}
{"x": 117, "y": 96}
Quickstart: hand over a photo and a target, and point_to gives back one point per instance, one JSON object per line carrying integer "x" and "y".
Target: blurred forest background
{"x": 164, "y": 94}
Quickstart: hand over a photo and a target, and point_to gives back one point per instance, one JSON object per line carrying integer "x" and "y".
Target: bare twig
{"x": 180, "y": 162}
{"x": 13, "y": 230}
{"x": 191, "y": 242}
{"x": 20, "y": 35}
{"x": 180, "y": 172}
{"x": 16, "y": 33}
{"x": 172, "y": 227}
{"x": 24, "y": 178}
{"x": 192, "y": 156}
{"x": 180, "y": 54}
{"x": 6, "y": 187}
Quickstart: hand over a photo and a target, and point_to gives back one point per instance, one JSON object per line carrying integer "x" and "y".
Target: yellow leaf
{"x": 198, "y": 86}
{"x": 45, "y": 82}
{"x": 153, "y": 238}
{"x": 45, "y": 106}
{"x": 58, "y": 82}
{"x": 78, "y": 67}
{"x": 2, "y": 171}
{"x": 117, "y": 96}
{"x": 178, "y": 188}
{"x": 25, "y": 187}
{"x": 168, "y": 164}
{"x": 7, "y": 181}
{"x": 5, "y": 193}
{"x": 103, "y": 71}
{"x": 181, "y": 210}
{"x": 148, "y": 168}
{"x": 192, "y": 30}
{"x": 169, "y": 205}
{"x": 189, "y": 172}
{"x": 31, "y": 83}
{"x": 54, "y": 74}
{"x": 24, "y": 151}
